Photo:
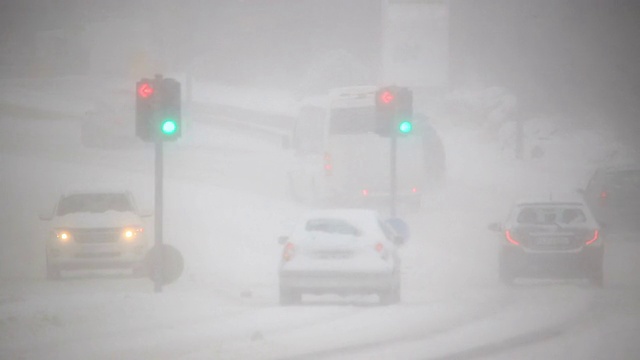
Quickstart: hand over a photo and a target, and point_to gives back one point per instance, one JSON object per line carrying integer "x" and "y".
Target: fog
{"x": 525, "y": 98}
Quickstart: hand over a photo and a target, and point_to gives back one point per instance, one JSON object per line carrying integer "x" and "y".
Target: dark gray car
{"x": 550, "y": 239}
{"x": 613, "y": 195}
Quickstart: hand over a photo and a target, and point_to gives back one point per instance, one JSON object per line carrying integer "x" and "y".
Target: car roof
{"x": 552, "y": 198}
{"x": 361, "y": 218}
{"x": 95, "y": 190}
{"x": 551, "y": 203}
{"x": 619, "y": 168}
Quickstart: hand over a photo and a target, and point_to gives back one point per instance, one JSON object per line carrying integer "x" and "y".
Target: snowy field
{"x": 225, "y": 205}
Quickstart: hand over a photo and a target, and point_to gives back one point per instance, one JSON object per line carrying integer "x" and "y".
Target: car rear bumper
{"x": 517, "y": 262}
{"x": 337, "y": 282}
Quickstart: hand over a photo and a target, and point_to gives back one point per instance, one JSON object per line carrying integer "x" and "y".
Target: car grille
{"x": 97, "y": 236}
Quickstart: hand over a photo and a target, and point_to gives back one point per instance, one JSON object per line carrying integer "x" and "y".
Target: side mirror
{"x": 399, "y": 240}
{"x": 497, "y": 227}
{"x": 145, "y": 213}
{"x": 283, "y": 239}
{"x": 45, "y": 215}
{"x": 400, "y": 227}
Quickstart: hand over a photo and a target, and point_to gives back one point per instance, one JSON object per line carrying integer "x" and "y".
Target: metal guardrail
{"x": 277, "y": 126}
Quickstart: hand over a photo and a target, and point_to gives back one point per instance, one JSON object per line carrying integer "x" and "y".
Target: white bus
{"x": 339, "y": 159}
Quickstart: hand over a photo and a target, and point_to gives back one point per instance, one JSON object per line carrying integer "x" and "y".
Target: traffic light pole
{"x": 392, "y": 169}
{"x": 158, "y": 260}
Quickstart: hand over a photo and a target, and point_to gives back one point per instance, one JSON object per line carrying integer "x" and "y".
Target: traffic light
{"x": 146, "y": 103}
{"x": 158, "y": 109}
{"x": 394, "y": 111}
{"x": 404, "y": 111}
{"x": 385, "y": 110}
{"x": 169, "y": 124}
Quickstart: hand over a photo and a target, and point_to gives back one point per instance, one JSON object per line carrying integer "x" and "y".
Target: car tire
{"x": 392, "y": 295}
{"x": 597, "y": 278}
{"x": 290, "y": 296}
{"x": 506, "y": 275}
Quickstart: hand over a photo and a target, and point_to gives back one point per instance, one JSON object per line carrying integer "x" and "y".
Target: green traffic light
{"x": 405, "y": 127}
{"x": 169, "y": 127}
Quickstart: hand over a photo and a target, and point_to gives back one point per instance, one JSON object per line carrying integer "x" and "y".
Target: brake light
{"x": 603, "y": 197}
{"x": 414, "y": 190}
{"x": 328, "y": 164}
{"x": 384, "y": 255}
{"x": 507, "y": 234}
{"x": 365, "y": 192}
{"x": 596, "y": 234}
{"x": 288, "y": 252}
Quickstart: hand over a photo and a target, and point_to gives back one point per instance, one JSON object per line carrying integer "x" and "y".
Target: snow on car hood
{"x": 97, "y": 220}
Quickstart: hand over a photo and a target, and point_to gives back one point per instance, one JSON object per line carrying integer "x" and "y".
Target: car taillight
{"x": 365, "y": 192}
{"x": 328, "y": 165}
{"x": 381, "y": 250}
{"x": 288, "y": 252}
{"x": 603, "y": 197}
{"x": 510, "y": 238}
{"x": 593, "y": 238}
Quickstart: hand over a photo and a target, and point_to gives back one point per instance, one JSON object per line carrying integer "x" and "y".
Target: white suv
{"x": 95, "y": 229}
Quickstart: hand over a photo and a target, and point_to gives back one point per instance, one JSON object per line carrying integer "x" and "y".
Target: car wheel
{"x": 506, "y": 275}
{"x": 597, "y": 278}
{"x": 392, "y": 295}
{"x": 290, "y": 296}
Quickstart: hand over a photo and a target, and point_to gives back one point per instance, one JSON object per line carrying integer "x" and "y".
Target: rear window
{"x": 538, "y": 215}
{"x": 622, "y": 180}
{"x": 332, "y": 226}
{"x": 353, "y": 120}
{"x": 93, "y": 203}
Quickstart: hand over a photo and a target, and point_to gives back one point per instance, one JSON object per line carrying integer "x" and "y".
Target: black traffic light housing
{"x": 158, "y": 109}
{"x": 394, "y": 111}
{"x": 146, "y": 104}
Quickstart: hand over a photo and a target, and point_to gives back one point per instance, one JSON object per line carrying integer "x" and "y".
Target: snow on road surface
{"x": 225, "y": 206}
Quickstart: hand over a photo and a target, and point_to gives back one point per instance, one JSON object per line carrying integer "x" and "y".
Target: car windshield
{"x": 353, "y": 120}
{"x": 540, "y": 215}
{"x": 93, "y": 203}
{"x": 332, "y": 226}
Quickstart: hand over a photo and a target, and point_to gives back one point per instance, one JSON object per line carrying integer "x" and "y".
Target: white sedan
{"x": 341, "y": 252}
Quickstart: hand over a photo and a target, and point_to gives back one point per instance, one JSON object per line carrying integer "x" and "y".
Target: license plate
{"x": 552, "y": 241}
{"x": 96, "y": 249}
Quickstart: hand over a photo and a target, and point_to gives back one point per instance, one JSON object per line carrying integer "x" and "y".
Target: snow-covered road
{"x": 225, "y": 206}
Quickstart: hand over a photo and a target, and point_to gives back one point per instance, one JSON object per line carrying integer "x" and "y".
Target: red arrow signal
{"x": 386, "y": 97}
{"x": 145, "y": 90}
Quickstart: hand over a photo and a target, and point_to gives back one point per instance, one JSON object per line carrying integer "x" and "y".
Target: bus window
{"x": 353, "y": 120}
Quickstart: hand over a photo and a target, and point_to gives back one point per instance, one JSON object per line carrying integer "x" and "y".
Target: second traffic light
{"x": 158, "y": 109}
{"x": 394, "y": 111}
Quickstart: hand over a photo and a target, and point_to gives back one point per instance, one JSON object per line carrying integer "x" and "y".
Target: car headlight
{"x": 63, "y": 236}
{"x": 131, "y": 233}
